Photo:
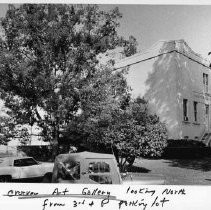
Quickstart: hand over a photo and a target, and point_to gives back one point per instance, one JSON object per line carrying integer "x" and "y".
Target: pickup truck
{"x": 24, "y": 169}
{"x": 95, "y": 168}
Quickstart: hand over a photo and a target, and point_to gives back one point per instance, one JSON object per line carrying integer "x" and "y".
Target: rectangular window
{"x": 195, "y": 110}
{"x": 100, "y": 172}
{"x": 205, "y": 82}
{"x": 207, "y": 109}
{"x": 99, "y": 167}
{"x": 185, "y": 109}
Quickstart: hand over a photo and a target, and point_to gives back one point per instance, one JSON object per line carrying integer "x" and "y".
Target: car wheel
{"x": 46, "y": 178}
{"x": 5, "y": 179}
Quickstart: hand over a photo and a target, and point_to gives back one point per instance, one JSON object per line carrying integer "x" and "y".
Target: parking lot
{"x": 177, "y": 171}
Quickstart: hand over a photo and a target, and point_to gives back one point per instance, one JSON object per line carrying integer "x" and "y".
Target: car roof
{"x": 11, "y": 158}
{"x": 86, "y": 155}
{"x": 17, "y": 157}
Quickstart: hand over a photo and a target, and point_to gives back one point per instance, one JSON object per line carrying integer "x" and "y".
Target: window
{"x": 18, "y": 163}
{"x": 185, "y": 109}
{"x": 195, "y": 110}
{"x": 25, "y": 162}
{"x": 100, "y": 172}
{"x": 99, "y": 167}
{"x": 101, "y": 179}
{"x": 205, "y": 82}
{"x": 206, "y": 109}
{"x": 69, "y": 170}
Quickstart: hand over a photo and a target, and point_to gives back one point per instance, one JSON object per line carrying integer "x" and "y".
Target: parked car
{"x": 15, "y": 169}
{"x": 95, "y": 168}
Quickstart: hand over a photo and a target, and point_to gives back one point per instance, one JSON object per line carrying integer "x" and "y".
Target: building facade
{"x": 176, "y": 82}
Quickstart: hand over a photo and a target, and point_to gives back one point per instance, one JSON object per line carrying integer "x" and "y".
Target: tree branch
{"x": 38, "y": 115}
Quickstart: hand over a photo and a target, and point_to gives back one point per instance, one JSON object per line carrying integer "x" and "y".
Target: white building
{"x": 176, "y": 82}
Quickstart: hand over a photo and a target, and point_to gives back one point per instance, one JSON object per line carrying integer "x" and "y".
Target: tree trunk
{"x": 55, "y": 146}
{"x": 54, "y": 150}
{"x": 130, "y": 161}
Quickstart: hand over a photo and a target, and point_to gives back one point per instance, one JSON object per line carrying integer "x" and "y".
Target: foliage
{"x": 9, "y": 130}
{"x": 51, "y": 76}
{"x": 125, "y": 128}
{"x": 49, "y": 66}
{"x": 136, "y": 133}
{"x": 40, "y": 153}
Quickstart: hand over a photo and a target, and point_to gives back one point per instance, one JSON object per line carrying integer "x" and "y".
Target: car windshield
{"x": 25, "y": 162}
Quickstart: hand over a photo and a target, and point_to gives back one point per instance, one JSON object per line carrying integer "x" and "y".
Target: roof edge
{"x": 163, "y": 47}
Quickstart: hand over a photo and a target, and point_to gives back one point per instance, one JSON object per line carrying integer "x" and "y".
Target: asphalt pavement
{"x": 176, "y": 171}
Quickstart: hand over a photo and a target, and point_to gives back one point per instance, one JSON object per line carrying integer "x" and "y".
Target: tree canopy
{"x": 49, "y": 64}
{"x": 51, "y": 76}
{"x": 125, "y": 128}
{"x": 9, "y": 131}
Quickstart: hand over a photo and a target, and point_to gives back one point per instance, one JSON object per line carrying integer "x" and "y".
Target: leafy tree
{"x": 135, "y": 133}
{"x": 50, "y": 76}
{"x": 124, "y": 127}
{"x": 9, "y": 130}
{"x": 3, "y": 130}
{"x": 49, "y": 66}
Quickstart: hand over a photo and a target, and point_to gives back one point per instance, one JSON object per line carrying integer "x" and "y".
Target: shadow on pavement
{"x": 203, "y": 164}
{"x": 138, "y": 169}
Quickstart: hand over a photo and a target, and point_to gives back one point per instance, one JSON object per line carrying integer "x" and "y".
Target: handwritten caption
{"x": 144, "y": 198}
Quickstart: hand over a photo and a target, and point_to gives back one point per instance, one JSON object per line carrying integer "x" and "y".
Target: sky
{"x": 151, "y": 23}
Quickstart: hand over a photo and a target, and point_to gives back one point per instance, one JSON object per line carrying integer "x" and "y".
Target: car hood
{"x": 47, "y": 164}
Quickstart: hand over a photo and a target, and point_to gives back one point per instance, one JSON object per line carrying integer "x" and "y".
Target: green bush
{"x": 129, "y": 132}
